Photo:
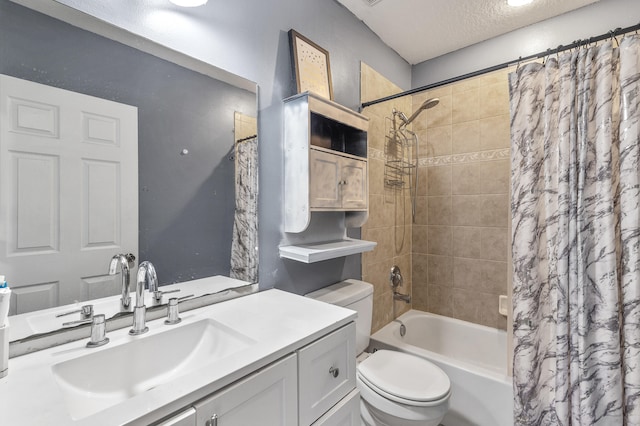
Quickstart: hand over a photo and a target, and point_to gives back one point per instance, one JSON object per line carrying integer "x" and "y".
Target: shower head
{"x": 429, "y": 103}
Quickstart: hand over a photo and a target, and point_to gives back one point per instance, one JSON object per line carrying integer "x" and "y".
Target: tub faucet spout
{"x": 404, "y": 297}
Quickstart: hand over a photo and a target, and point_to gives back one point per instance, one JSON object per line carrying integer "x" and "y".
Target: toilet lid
{"x": 404, "y": 376}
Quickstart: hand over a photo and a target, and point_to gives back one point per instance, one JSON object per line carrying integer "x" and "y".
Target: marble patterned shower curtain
{"x": 244, "y": 246}
{"x": 575, "y": 161}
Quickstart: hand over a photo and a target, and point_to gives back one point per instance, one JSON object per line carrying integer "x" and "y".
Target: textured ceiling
{"x": 423, "y": 29}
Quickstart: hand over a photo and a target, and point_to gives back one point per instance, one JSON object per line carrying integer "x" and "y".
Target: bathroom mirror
{"x": 190, "y": 125}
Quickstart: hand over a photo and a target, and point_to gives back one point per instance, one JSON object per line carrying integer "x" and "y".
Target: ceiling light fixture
{"x": 189, "y": 3}
{"x": 516, "y": 3}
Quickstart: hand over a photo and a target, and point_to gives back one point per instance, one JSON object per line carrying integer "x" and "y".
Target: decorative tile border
{"x": 467, "y": 157}
{"x": 376, "y": 154}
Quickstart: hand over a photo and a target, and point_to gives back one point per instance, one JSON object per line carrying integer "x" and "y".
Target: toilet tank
{"x": 351, "y": 294}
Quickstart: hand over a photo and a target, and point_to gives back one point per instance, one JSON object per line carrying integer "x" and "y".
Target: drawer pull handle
{"x": 213, "y": 421}
{"x": 334, "y": 371}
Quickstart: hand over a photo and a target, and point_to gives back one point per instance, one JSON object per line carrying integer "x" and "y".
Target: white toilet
{"x": 397, "y": 389}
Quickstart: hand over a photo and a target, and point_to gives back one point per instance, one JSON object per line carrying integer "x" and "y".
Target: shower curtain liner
{"x": 244, "y": 255}
{"x": 575, "y": 161}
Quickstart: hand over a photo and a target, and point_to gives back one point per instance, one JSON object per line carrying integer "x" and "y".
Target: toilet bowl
{"x": 396, "y": 389}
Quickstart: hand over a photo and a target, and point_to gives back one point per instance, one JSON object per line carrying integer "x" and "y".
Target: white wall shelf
{"x": 316, "y": 252}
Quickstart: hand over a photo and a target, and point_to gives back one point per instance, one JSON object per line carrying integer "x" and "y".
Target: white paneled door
{"x": 68, "y": 192}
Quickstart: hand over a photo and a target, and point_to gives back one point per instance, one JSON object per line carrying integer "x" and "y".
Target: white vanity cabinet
{"x": 276, "y": 359}
{"x": 315, "y": 385}
{"x": 266, "y": 397}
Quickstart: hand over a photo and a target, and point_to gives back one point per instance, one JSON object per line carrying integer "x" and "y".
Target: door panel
{"x": 68, "y": 192}
{"x": 324, "y": 190}
{"x": 354, "y": 188}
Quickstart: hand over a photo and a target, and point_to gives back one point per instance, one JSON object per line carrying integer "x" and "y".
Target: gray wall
{"x": 249, "y": 38}
{"x": 592, "y": 20}
{"x": 186, "y": 203}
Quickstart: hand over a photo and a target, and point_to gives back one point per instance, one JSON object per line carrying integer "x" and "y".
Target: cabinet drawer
{"x": 326, "y": 373}
{"x": 344, "y": 413}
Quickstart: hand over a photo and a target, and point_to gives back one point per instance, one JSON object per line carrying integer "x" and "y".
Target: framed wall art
{"x": 311, "y": 66}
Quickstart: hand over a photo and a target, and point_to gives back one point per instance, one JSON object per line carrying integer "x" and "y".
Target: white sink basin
{"x": 99, "y": 380}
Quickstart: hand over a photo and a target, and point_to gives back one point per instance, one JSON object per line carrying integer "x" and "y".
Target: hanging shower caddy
{"x": 400, "y": 154}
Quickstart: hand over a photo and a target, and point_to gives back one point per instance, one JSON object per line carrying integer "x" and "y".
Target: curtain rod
{"x": 248, "y": 138}
{"x": 560, "y": 48}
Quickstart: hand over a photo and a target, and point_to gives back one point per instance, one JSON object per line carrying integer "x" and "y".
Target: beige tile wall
{"x": 460, "y": 245}
{"x": 389, "y": 222}
{"x": 454, "y": 257}
{"x": 244, "y": 125}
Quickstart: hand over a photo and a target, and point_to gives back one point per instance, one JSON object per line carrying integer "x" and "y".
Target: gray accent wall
{"x": 249, "y": 38}
{"x": 592, "y": 20}
{"x": 186, "y": 203}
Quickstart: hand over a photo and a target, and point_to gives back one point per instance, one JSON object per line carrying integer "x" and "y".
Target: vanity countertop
{"x": 278, "y": 321}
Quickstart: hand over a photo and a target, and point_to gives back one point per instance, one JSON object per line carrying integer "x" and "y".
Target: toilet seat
{"x": 404, "y": 378}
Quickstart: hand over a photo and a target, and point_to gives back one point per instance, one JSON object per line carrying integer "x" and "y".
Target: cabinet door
{"x": 267, "y": 397}
{"x": 353, "y": 174}
{"x": 324, "y": 180}
{"x": 327, "y": 372}
{"x": 344, "y": 413}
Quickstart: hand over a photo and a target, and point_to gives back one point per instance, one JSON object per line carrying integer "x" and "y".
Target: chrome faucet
{"x": 396, "y": 280}
{"x": 126, "y": 262}
{"x": 146, "y": 278}
{"x": 404, "y": 297}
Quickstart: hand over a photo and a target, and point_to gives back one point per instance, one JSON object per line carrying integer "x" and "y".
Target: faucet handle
{"x": 172, "y": 312}
{"x": 98, "y": 332}
{"x": 157, "y": 295}
{"x": 395, "y": 277}
{"x": 86, "y": 312}
{"x": 77, "y": 322}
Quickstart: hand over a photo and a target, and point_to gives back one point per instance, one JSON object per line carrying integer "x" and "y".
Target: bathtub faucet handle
{"x": 395, "y": 277}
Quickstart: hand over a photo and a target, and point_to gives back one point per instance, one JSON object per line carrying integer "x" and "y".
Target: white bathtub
{"x": 473, "y": 356}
